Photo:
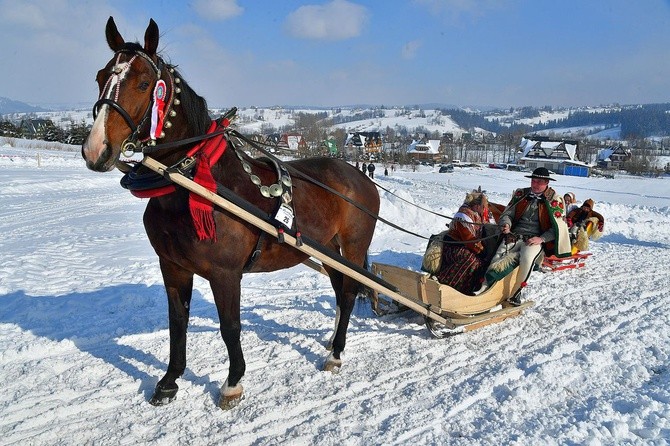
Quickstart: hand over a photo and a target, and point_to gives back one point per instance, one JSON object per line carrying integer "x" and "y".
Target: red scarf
{"x": 208, "y": 153}
{"x": 202, "y": 210}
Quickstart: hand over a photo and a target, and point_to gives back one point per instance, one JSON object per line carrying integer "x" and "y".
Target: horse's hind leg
{"x": 179, "y": 287}
{"x": 345, "y": 294}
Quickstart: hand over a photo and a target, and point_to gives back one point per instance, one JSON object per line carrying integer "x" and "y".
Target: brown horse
{"x": 136, "y": 83}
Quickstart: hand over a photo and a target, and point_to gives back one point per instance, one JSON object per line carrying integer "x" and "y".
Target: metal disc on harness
{"x": 286, "y": 180}
{"x": 255, "y": 180}
{"x": 265, "y": 191}
{"x": 246, "y": 167}
{"x": 276, "y": 190}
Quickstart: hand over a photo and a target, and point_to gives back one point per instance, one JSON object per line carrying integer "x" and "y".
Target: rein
{"x": 316, "y": 182}
{"x": 133, "y": 145}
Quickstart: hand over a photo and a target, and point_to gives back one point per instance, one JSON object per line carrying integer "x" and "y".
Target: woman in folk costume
{"x": 570, "y": 202}
{"x": 462, "y": 263}
{"x": 534, "y": 219}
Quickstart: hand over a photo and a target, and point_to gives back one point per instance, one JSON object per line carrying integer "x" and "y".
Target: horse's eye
{"x": 144, "y": 86}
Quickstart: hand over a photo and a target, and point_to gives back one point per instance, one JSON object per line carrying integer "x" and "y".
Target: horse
{"x": 144, "y": 100}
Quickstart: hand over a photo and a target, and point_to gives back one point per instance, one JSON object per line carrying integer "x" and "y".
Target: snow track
{"x": 83, "y": 334}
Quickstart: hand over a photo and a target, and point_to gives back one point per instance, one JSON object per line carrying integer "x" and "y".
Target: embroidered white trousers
{"x": 528, "y": 255}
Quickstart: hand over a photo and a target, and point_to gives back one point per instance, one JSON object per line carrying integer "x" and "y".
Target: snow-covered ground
{"x": 83, "y": 330}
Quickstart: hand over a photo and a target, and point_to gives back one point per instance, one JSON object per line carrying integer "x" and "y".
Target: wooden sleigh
{"x": 461, "y": 312}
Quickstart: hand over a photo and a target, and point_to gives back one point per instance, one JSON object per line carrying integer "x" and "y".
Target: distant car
{"x": 447, "y": 168}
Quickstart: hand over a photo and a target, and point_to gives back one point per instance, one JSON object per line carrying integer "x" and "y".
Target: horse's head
{"x": 137, "y": 92}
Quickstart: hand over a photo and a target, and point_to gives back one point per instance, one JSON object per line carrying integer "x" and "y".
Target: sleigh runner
{"x": 553, "y": 263}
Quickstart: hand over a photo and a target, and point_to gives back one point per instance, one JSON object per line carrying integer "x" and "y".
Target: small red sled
{"x": 553, "y": 263}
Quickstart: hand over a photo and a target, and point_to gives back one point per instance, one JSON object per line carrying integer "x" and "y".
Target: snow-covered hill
{"x": 272, "y": 119}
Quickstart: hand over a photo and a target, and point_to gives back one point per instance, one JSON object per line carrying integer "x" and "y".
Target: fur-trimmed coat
{"x": 551, "y": 212}
{"x": 467, "y": 225}
{"x": 580, "y": 215}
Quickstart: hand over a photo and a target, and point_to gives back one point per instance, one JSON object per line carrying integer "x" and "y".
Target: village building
{"x": 424, "y": 151}
{"x": 556, "y": 155}
{"x": 287, "y": 142}
{"x": 613, "y": 157}
{"x": 367, "y": 145}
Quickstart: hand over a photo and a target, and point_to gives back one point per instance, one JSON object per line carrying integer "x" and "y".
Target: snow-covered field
{"x": 83, "y": 330}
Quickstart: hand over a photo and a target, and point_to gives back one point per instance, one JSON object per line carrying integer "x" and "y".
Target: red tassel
{"x": 202, "y": 210}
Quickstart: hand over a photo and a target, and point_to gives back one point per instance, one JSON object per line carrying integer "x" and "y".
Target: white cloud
{"x": 217, "y": 9}
{"x": 336, "y": 20}
{"x": 410, "y": 48}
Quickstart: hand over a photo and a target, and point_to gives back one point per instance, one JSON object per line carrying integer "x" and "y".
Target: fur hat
{"x": 588, "y": 203}
{"x": 476, "y": 197}
{"x": 541, "y": 173}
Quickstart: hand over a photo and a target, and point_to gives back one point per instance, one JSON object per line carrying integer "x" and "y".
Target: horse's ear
{"x": 151, "y": 38}
{"x": 114, "y": 39}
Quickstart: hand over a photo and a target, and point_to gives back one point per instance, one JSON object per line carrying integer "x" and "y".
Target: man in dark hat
{"x": 532, "y": 220}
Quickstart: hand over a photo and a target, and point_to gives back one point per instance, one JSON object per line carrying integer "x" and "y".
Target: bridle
{"x": 110, "y": 95}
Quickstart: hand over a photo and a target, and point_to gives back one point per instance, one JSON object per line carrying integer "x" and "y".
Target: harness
{"x": 161, "y": 105}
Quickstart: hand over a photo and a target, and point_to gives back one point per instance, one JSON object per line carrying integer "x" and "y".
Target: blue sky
{"x": 341, "y": 52}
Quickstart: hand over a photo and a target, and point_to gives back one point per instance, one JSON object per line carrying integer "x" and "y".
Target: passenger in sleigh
{"x": 532, "y": 225}
{"x": 457, "y": 257}
{"x": 584, "y": 224}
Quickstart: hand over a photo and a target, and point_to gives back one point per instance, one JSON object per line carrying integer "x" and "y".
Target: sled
{"x": 461, "y": 311}
{"x": 553, "y": 263}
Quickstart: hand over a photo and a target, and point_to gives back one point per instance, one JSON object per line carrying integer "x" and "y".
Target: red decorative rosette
{"x": 558, "y": 214}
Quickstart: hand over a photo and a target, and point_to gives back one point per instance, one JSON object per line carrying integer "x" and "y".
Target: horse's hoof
{"x": 230, "y": 396}
{"x": 163, "y": 396}
{"x": 332, "y": 364}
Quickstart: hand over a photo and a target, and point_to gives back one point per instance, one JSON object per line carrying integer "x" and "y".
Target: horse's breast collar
{"x": 144, "y": 183}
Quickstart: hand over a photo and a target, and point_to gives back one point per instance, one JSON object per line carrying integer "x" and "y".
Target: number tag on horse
{"x": 285, "y": 215}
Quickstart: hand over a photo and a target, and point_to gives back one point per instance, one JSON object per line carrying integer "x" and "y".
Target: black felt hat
{"x": 541, "y": 173}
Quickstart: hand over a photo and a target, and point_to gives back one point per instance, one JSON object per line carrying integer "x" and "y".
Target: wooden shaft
{"x": 290, "y": 240}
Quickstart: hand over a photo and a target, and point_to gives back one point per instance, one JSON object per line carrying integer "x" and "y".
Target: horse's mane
{"x": 193, "y": 105}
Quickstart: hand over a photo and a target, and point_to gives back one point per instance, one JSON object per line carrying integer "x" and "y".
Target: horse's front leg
{"x": 226, "y": 290}
{"x": 179, "y": 287}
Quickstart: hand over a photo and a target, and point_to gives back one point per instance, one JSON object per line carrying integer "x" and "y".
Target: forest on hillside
{"x": 637, "y": 121}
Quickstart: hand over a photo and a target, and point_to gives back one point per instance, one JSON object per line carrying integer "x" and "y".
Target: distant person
{"x": 532, "y": 220}
{"x": 386, "y": 171}
{"x": 364, "y": 168}
{"x": 371, "y": 170}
